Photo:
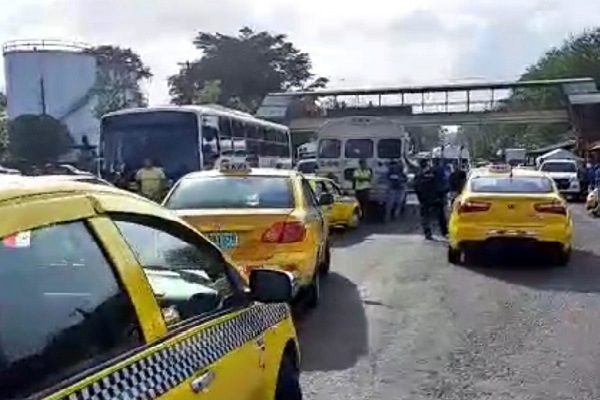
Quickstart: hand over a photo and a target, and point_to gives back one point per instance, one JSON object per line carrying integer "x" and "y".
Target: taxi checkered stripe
{"x": 160, "y": 372}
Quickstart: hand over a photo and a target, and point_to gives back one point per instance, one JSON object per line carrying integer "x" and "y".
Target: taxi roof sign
{"x": 234, "y": 166}
{"x": 500, "y": 167}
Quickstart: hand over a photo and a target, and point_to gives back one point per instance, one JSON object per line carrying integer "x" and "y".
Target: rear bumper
{"x": 513, "y": 247}
{"x": 472, "y": 234}
{"x": 301, "y": 264}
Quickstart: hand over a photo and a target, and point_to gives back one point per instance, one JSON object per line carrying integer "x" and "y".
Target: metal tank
{"x": 52, "y": 77}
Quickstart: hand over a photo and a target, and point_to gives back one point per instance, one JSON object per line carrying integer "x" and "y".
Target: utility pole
{"x": 43, "y": 95}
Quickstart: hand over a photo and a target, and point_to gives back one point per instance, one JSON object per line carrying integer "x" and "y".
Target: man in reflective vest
{"x": 361, "y": 182}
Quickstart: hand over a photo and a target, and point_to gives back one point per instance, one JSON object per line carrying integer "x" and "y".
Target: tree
{"x": 210, "y": 93}
{"x": 118, "y": 80}
{"x": 248, "y": 65}
{"x": 38, "y": 139}
{"x": 577, "y": 57}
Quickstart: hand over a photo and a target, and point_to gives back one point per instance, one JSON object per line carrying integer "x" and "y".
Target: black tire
{"x": 288, "y": 380}
{"x": 326, "y": 263}
{"x": 562, "y": 258}
{"x": 313, "y": 292}
{"x": 453, "y": 256}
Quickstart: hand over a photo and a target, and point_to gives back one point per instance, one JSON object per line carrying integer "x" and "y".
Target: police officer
{"x": 361, "y": 183}
{"x": 431, "y": 193}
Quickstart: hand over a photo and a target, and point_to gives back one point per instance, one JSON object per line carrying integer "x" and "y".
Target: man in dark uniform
{"x": 431, "y": 193}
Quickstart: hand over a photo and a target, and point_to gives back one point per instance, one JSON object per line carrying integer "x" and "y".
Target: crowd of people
{"x": 436, "y": 184}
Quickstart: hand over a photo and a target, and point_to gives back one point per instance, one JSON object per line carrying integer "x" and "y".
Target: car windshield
{"x": 231, "y": 192}
{"x": 359, "y": 148}
{"x": 511, "y": 185}
{"x": 559, "y": 167}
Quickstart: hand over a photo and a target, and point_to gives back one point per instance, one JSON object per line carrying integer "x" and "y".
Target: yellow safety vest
{"x": 362, "y": 179}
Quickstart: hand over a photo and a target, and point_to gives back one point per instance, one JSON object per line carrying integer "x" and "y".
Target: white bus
{"x": 188, "y": 138}
{"x": 343, "y": 142}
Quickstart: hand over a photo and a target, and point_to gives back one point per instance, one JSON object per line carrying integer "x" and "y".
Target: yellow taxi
{"x": 345, "y": 210}
{"x": 259, "y": 217}
{"x": 502, "y": 206}
{"x": 107, "y": 295}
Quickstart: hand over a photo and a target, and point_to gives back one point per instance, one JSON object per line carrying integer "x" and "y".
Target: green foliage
{"x": 577, "y": 57}
{"x": 210, "y": 93}
{"x": 120, "y": 72}
{"x": 38, "y": 139}
{"x": 248, "y": 65}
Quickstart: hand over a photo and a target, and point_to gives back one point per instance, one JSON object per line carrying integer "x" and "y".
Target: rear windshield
{"x": 559, "y": 167}
{"x": 231, "y": 192}
{"x": 511, "y": 185}
{"x": 359, "y": 148}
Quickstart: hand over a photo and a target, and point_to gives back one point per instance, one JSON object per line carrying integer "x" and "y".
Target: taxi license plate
{"x": 224, "y": 240}
{"x": 511, "y": 233}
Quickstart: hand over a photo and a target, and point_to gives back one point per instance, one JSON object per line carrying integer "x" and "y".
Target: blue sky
{"x": 355, "y": 43}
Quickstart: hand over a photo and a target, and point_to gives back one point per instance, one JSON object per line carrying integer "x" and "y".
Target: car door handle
{"x": 202, "y": 383}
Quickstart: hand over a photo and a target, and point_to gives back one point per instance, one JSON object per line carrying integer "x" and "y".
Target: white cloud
{"x": 356, "y": 43}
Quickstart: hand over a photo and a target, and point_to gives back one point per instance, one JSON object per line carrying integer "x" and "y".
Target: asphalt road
{"x": 398, "y": 322}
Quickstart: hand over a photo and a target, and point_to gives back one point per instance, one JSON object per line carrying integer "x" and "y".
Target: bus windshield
{"x": 169, "y": 138}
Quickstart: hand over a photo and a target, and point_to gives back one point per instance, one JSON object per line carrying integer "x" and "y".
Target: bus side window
{"x": 238, "y": 130}
{"x": 225, "y": 128}
{"x": 252, "y": 131}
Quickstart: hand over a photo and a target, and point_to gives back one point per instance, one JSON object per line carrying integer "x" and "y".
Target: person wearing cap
{"x": 361, "y": 183}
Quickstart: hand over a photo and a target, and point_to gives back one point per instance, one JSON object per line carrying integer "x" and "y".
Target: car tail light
{"x": 552, "y": 207}
{"x": 473, "y": 206}
{"x": 285, "y": 232}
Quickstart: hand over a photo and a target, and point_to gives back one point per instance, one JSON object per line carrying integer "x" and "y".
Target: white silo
{"x": 53, "y": 77}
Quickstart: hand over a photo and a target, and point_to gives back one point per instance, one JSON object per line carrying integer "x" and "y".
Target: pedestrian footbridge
{"x": 522, "y": 102}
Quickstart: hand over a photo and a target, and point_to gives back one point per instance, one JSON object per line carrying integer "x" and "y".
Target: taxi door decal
{"x": 160, "y": 371}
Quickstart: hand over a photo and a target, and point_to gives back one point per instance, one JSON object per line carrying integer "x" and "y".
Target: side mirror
{"x": 326, "y": 199}
{"x": 271, "y": 286}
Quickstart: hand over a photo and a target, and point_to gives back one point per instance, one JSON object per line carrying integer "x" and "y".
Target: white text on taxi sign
{"x": 233, "y": 166}
{"x": 499, "y": 168}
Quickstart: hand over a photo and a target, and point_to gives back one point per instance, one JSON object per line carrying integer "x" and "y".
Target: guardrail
{"x": 44, "y": 45}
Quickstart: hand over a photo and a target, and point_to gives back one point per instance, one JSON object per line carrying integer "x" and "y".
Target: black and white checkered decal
{"x": 163, "y": 370}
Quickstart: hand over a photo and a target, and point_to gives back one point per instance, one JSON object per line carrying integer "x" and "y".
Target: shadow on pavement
{"x": 334, "y": 335}
{"x": 582, "y": 275}
{"x": 406, "y": 224}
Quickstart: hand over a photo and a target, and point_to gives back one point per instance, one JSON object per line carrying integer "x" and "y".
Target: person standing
{"x": 457, "y": 180}
{"x": 361, "y": 183}
{"x": 430, "y": 192}
{"x": 151, "y": 181}
{"x": 396, "y": 190}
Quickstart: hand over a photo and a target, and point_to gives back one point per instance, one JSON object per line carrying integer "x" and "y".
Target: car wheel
{"x": 354, "y": 221}
{"x": 288, "y": 381}
{"x": 326, "y": 263}
{"x": 454, "y": 256}
{"x": 313, "y": 292}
